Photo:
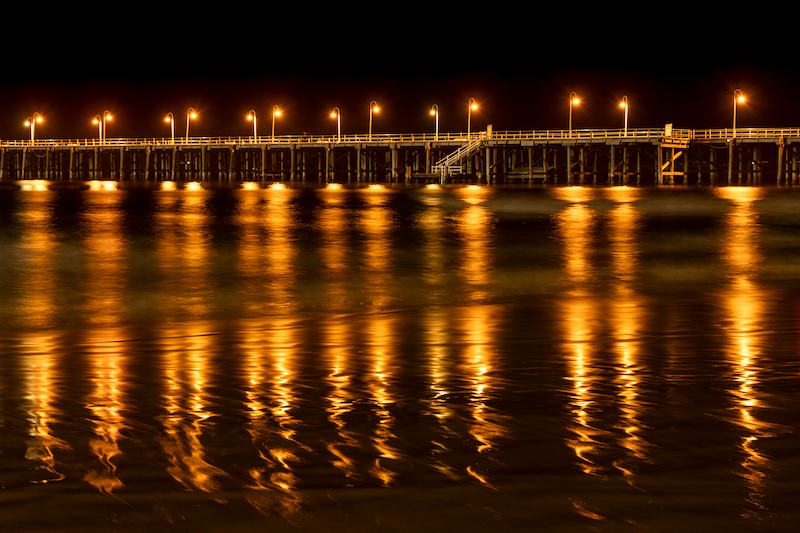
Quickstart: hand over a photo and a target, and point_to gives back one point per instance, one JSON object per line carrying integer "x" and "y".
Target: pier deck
{"x": 576, "y": 156}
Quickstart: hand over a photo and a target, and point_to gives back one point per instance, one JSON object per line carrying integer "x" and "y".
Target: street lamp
{"x": 624, "y": 106}
{"x": 470, "y": 106}
{"x": 190, "y": 113}
{"x": 373, "y": 108}
{"x": 435, "y": 113}
{"x": 738, "y": 98}
{"x": 252, "y": 116}
{"x": 573, "y": 100}
{"x": 101, "y": 124}
{"x": 31, "y": 121}
{"x": 276, "y": 112}
{"x": 338, "y": 116}
{"x": 171, "y": 119}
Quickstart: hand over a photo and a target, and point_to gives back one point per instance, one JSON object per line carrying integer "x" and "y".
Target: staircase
{"x": 451, "y": 163}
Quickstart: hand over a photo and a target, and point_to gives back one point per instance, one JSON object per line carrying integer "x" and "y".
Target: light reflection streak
{"x": 473, "y": 225}
{"x": 487, "y": 427}
{"x": 106, "y": 404}
{"x": 440, "y": 371}
{"x": 280, "y": 248}
{"x": 340, "y": 399}
{"x": 380, "y": 333}
{"x": 183, "y": 251}
{"x": 186, "y": 402}
{"x": 627, "y": 315}
{"x": 374, "y": 225}
{"x": 270, "y": 401}
{"x": 575, "y": 226}
{"x": 40, "y": 250}
{"x": 333, "y": 224}
{"x": 42, "y": 391}
{"x": 744, "y": 304}
{"x": 105, "y": 253}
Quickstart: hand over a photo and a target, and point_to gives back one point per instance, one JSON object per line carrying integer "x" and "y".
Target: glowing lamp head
{"x": 334, "y": 114}
{"x": 277, "y": 112}
{"x": 740, "y": 98}
{"x": 474, "y": 106}
{"x": 167, "y": 119}
{"x": 576, "y": 101}
{"x": 623, "y": 104}
{"x": 193, "y": 115}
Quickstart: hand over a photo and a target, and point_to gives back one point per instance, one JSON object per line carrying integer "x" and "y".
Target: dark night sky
{"x": 517, "y": 62}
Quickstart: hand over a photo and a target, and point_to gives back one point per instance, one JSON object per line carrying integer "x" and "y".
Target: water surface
{"x": 208, "y": 358}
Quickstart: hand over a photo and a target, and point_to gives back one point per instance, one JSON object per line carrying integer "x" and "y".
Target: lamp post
{"x": 338, "y": 116}
{"x": 31, "y": 121}
{"x": 252, "y": 116}
{"x": 99, "y": 121}
{"x": 738, "y": 98}
{"x": 624, "y": 106}
{"x": 373, "y": 108}
{"x": 101, "y": 124}
{"x": 171, "y": 119}
{"x": 190, "y": 114}
{"x": 573, "y": 101}
{"x": 276, "y": 112}
{"x": 470, "y": 106}
{"x": 435, "y": 113}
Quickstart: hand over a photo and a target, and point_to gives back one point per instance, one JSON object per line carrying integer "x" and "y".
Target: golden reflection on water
{"x": 440, "y": 371}
{"x": 43, "y": 390}
{"x": 281, "y": 250}
{"x": 744, "y": 300}
{"x": 105, "y": 250}
{"x": 106, "y": 403}
{"x": 375, "y": 224}
{"x": 183, "y": 250}
{"x": 627, "y": 315}
{"x": 39, "y": 245}
{"x": 185, "y": 398}
{"x": 487, "y": 426}
{"x": 269, "y": 368}
{"x": 380, "y": 338}
{"x": 341, "y": 398}
{"x": 576, "y": 229}
{"x": 473, "y": 226}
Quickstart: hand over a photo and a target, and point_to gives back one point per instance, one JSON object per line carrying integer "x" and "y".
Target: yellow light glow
{"x": 193, "y": 186}
{"x": 741, "y": 98}
{"x": 474, "y": 106}
{"x": 249, "y": 117}
{"x": 334, "y": 186}
{"x": 277, "y": 186}
{"x": 193, "y": 115}
{"x": 167, "y": 119}
{"x": 623, "y": 104}
{"x": 334, "y": 114}
{"x": 277, "y": 112}
{"x": 576, "y": 101}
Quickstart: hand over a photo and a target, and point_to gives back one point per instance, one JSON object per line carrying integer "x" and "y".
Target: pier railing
{"x": 594, "y": 135}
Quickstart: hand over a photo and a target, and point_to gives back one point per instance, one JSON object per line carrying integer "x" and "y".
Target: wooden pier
{"x": 613, "y": 157}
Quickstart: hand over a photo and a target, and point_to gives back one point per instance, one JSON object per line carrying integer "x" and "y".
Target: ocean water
{"x": 191, "y": 357}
